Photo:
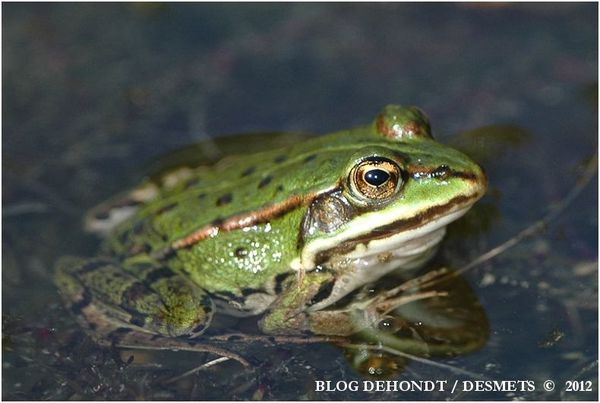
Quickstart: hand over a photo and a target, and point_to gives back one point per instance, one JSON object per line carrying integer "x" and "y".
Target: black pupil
{"x": 376, "y": 177}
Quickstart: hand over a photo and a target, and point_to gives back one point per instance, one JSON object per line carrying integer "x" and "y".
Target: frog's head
{"x": 395, "y": 196}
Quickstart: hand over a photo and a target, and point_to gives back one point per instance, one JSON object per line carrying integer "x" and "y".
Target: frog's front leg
{"x": 288, "y": 313}
{"x": 297, "y": 310}
{"x": 111, "y": 298}
{"x": 364, "y": 314}
{"x": 291, "y": 312}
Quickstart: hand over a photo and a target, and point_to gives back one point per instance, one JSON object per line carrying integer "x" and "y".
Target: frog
{"x": 287, "y": 235}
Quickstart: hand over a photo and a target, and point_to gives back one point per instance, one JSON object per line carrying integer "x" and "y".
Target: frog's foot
{"x": 108, "y": 296}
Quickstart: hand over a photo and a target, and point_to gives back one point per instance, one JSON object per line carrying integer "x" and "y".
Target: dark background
{"x": 93, "y": 92}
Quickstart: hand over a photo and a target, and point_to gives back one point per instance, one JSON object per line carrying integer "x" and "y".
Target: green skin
{"x": 254, "y": 253}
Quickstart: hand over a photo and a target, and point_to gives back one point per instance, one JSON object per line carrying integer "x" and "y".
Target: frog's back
{"x": 236, "y": 186}
{"x": 242, "y": 215}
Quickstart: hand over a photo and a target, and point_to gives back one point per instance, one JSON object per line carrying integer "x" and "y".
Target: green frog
{"x": 287, "y": 235}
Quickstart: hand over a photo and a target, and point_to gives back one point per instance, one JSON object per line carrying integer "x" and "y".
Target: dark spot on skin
{"x": 138, "y": 227}
{"x": 310, "y": 158}
{"x": 92, "y": 266}
{"x": 280, "y": 188}
{"x": 166, "y": 208}
{"x": 248, "y": 171}
{"x": 248, "y": 291}
{"x": 323, "y": 293}
{"x": 241, "y": 252}
{"x": 198, "y": 328}
{"x": 279, "y": 279}
{"x": 280, "y": 159}
{"x": 135, "y": 292}
{"x": 192, "y": 182}
{"x": 86, "y": 299}
{"x": 138, "y": 320}
{"x": 207, "y": 304}
{"x": 101, "y": 215}
{"x": 225, "y": 199}
{"x": 217, "y": 222}
{"x": 159, "y": 274}
{"x": 140, "y": 248}
{"x": 123, "y": 237}
{"x": 265, "y": 181}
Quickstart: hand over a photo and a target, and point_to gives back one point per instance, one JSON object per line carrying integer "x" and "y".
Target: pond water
{"x": 93, "y": 93}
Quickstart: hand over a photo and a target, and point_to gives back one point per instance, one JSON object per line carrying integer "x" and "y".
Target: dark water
{"x": 92, "y": 93}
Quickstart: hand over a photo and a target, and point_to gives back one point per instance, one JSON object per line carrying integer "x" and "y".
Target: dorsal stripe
{"x": 236, "y": 222}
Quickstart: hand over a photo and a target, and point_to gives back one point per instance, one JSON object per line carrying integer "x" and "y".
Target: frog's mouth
{"x": 406, "y": 237}
{"x": 397, "y": 245}
{"x": 402, "y": 238}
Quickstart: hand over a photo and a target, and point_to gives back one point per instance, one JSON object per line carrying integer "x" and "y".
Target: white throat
{"x": 373, "y": 259}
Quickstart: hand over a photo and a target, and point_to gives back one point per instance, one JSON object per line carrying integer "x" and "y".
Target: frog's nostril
{"x": 441, "y": 172}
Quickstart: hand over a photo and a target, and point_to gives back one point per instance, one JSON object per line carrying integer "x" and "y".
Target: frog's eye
{"x": 375, "y": 179}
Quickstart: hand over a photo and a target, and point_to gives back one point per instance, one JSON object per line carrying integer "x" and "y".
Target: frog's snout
{"x": 481, "y": 181}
